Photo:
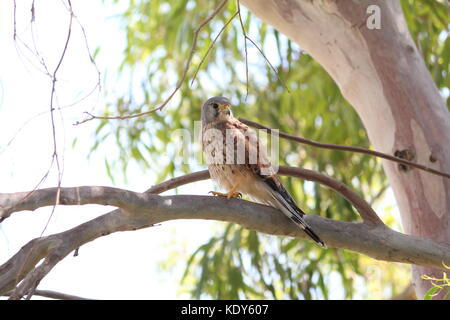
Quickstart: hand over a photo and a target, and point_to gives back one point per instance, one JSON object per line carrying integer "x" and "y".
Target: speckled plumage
{"x": 238, "y": 164}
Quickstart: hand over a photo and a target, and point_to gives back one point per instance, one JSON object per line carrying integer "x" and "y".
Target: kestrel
{"x": 238, "y": 163}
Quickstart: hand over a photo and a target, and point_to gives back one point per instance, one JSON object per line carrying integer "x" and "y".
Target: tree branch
{"x": 212, "y": 45}
{"x": 140, "y": 210}
{"x": 180, "y": 82}
{"x": 120, "y": 198}
{"x": 179, "y": 181}
{"x": 54, "y": 295}
{"x": 346, "y": 148}
{"x": 378, "y": 242}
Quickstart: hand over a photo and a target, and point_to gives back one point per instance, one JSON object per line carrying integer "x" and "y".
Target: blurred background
{"x": 127, "y": 57}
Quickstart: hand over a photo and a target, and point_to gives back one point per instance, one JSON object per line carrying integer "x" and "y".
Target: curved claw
{"x": 228, "y": 195}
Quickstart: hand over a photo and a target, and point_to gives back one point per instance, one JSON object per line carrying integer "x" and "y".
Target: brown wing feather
{"x": 270, "y": 179}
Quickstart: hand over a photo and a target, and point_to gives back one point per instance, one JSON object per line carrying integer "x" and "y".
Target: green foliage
{"x": 438, "y": 285}
{"x": 238, "y": 263}
{"x": 428, "y": 22}
{"x": 242, "y": 264}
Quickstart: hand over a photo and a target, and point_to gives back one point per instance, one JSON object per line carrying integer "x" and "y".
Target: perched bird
{"x": 238, "y": 163}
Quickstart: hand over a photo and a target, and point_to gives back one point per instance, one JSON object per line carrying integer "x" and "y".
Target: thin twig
{"x": 14, "y": 136}
{"x": 268, "y": 62}
{"x": 36, "y": 54}
{"x": 52, "y": 109}
{"x": 346, "y": 148}
{"x": 33, "y": 12}
{"x": 34, "y": 51}
{"x": 91, "y": 57}
{"x": 14, "y": 18}
{"x": 55, "y": 158}
{"x": 180, "y": 82}
{"x": 212, "y": 45}
{"x": 245, "y": 47}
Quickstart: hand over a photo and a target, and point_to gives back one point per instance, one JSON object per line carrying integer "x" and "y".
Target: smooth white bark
{"x": 382, "y": 74}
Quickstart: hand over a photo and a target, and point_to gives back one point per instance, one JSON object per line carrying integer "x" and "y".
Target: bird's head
{"x": 216, "y": 109}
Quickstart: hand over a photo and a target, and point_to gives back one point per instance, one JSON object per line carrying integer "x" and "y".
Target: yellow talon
{"x": 229, "y": 195}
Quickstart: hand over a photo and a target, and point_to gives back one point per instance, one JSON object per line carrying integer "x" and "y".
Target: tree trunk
{"x": 382, "y": 74}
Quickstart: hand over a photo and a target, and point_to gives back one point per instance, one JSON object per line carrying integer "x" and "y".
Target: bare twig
{"x": 14, "y": 136}
{"x": 52, "y": 97}
{"x": 34, "y": 51}
{"x": 268, "y": 62}
{"x": 33, "y": 12}
{"x": 346, "y": 148}
{"x": 245, "y": 47}
{"x": 90, "y": 116}
{"x": 246, "y": 37}
{"x": 211, "y": 46}
{"x": 180, "y": 82}
{"x": 91, "y": 57}
{"x": 30, "y": 283}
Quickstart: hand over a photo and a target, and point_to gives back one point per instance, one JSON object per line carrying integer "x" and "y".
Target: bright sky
{"x": 119, "y": 266}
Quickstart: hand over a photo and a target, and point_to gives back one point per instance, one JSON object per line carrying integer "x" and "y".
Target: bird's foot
{"x": 228, "y": 195}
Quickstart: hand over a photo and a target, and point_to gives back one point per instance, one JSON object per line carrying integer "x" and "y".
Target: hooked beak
{"x": 225, "y": 109}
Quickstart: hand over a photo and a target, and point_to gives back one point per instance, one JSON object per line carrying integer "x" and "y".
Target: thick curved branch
{"x": 145, "y": 210}
{"x": 368, "y": 215}
{"x": 19, "y": 201}
{"x": 140, "y": 210}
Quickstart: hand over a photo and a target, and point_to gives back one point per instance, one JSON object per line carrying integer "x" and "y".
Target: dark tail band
{"x": 302, "y": 224}
{"x": 314, "y": 236}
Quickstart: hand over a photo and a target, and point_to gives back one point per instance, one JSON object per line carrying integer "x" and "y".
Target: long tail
{"x": 284, "y": 202}
{"x": 310, "y": 232}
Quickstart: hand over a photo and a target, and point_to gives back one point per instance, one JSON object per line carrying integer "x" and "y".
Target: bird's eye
{"x": 215, "y": 105}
